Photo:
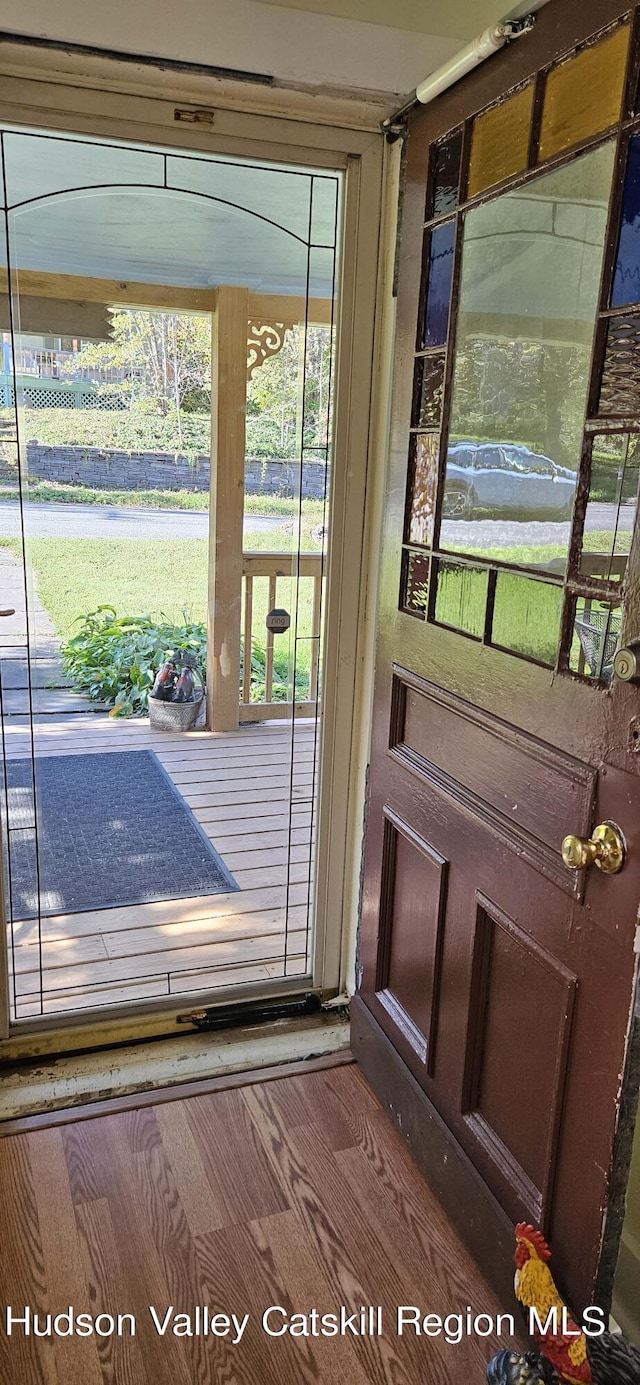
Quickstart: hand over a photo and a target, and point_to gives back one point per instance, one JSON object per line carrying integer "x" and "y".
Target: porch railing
{"x": 274, "y": 567}
{"x": 52, "y": 364}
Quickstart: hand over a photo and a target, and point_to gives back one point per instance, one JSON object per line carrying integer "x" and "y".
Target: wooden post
{"x": 226, "y": 507}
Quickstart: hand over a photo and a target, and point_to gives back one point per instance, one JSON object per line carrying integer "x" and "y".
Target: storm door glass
{"x": 165, "y": 446}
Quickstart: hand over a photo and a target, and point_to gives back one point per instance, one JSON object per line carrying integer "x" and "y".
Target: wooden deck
{"x": 238, "y": 785}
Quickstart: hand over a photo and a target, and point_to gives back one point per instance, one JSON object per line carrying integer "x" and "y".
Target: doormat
{"x": 112, "y": 829}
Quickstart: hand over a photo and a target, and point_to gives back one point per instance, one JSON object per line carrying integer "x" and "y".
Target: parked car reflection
{"x": 495, "y": 480}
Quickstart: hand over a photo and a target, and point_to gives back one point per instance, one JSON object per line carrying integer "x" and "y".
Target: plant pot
{"x": 178, "y": 716}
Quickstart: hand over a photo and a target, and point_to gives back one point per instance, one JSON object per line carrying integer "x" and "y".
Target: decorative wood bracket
{"x": 264, "y": 339}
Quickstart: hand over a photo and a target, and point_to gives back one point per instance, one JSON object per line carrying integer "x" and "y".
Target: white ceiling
{"x": 365, "y": 45}
{"x": 79, "y": 208}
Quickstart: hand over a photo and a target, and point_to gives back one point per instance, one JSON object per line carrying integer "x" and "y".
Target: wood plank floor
{"x": 296, "y": 1192}
{"x": 239, "y": 786}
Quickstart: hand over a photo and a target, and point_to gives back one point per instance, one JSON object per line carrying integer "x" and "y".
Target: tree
{"x": 163, "y": 359}
{"x": 161, "y": 363}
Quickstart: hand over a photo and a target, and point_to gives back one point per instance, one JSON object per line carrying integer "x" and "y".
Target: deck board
{"x": 238, "y": 785}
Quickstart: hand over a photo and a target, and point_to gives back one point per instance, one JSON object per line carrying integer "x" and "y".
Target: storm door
{"x": 502, "y": 870}
{"x": 165, "y": 407}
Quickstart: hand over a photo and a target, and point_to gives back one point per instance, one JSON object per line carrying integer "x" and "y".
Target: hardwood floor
{"x": 239, "y": 785}
{"x": 294, "y": 1192}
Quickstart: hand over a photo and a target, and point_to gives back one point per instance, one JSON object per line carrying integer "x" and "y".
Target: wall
{"x": 160, "y": 471}
{"x": 298, "y": 47}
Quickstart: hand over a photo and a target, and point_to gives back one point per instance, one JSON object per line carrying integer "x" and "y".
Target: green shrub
{"x": 115, "y": 659}
{"x": 133, "y": 430}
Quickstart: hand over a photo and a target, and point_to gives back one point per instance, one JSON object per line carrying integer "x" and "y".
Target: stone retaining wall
{"x": 90, "y": 466}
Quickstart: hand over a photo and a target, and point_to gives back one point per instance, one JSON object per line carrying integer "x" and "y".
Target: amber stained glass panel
{"x": 422, "y": 503}
{"x": 446, "y": 175}
{"x": 429, "y": 385}
{"x": 500, "y": 141}
{"x": 584, "y": 94}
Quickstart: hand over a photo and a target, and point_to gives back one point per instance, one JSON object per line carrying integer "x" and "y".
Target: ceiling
{"x": 354, "y": 45}
{"x": 82, "y": 207}
{"x": 438, "y": 18}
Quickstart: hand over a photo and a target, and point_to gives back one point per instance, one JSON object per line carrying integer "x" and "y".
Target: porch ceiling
{"x": 102, "y": 211}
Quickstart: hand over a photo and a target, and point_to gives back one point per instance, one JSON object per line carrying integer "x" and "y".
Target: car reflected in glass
{"x": 499, "y": 480}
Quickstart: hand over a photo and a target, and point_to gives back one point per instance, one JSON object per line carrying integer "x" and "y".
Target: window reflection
{"x": 596, "y": 635}
{"x": 528, "y": 298}
{"x": 611, "y": 506}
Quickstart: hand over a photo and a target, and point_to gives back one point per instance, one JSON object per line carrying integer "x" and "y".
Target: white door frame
{"x": 45, "y": 90}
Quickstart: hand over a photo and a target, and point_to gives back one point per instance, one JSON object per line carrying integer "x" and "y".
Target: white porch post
{"x": 228, "y": 430}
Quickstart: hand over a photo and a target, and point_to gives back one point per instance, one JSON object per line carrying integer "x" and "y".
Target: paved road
{"x": 49, "y": 521}
{"x": 507, "y": 533}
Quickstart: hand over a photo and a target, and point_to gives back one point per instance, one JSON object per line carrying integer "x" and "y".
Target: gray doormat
{"x": 112, "y": 829}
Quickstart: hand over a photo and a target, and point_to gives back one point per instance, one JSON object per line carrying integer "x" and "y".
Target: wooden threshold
{"x": 137, "y": 1101}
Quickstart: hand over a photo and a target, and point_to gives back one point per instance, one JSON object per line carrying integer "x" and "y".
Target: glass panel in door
{"x": 150, "y": 853}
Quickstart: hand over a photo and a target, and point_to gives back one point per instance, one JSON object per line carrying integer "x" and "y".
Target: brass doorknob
{"x": 605, "y": 849}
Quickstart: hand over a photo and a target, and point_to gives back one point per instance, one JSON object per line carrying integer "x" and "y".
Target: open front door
{"x": 497, "y": 981}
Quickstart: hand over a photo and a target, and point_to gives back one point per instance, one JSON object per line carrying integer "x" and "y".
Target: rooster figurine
{"x": 511, "y": 1368}
{"x": 569, "y": 1354}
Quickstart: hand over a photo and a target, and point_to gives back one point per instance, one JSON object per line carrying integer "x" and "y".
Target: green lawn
{"x": 526, "y": 618}
{"x": 167, "y": 579}
{"x": 56, "y": 492}
{"x": 155, "y": 577}
{"x": 137, "y": 576}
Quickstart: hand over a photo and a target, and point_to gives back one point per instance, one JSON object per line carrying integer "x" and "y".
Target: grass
{"x": 55, "y": 492}
{"x": 156, "y": 577}
{"x": 526, "y": 618}
{"x": 168, "y": 579}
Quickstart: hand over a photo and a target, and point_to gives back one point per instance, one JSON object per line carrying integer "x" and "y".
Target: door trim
{"x": 135, "y": 108}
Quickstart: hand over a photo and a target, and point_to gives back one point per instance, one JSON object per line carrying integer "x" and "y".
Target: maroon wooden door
{"x": 496, "y": 985}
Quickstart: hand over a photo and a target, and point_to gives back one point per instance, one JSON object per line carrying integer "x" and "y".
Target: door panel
{"x": 410, "y": 945}
{"x": 497, "y": 979}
